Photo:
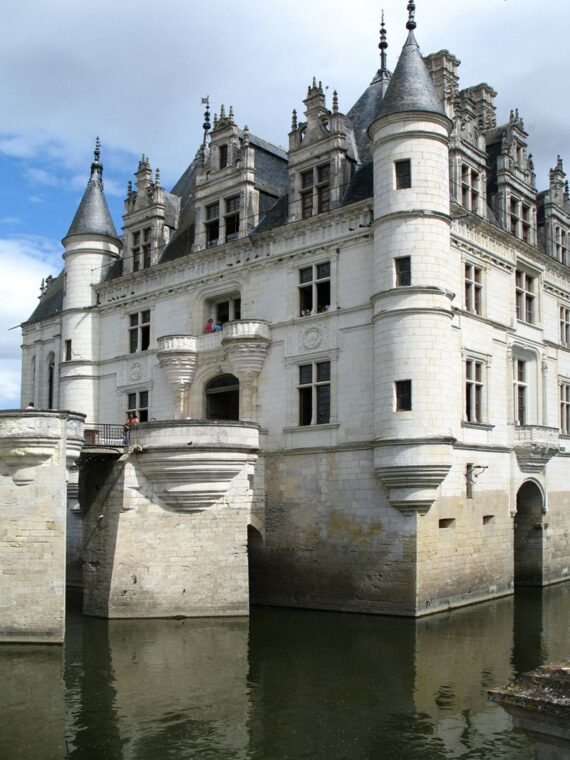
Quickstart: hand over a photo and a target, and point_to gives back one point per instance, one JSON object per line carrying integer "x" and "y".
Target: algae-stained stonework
{"x": 350, "y": 361}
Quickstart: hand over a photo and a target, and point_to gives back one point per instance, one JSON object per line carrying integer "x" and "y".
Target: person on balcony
{"x": 209, "y": 326}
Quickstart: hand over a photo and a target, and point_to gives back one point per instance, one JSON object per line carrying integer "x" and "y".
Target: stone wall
{"x": 36, "y": 450}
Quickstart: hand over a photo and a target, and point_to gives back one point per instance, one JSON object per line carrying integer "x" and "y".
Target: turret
{"x": 416, "y": 393}
{"x": 91, "y": 245}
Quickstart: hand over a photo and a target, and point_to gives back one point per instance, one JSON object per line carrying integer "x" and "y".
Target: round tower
{"x": 91, "y": 245}
{"x": 415, "y": 386}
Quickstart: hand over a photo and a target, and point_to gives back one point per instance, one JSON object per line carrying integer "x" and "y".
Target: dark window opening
{"x": 403, "y": 395}
{"x": 51, "y": 377}
{"x": 139, "y": 331}
{"x": 231, "y": 218}
{"x": 403, "y": 174}
{"x": 314, "y": 289}
{"x": 314, "y": 393}
{"x": 403, "y": 271}
{"x": 222, "y": 398}
{"x": 137, "y": 403}
{"x": 223, "y": 156}
{"x": 67, "y": 350}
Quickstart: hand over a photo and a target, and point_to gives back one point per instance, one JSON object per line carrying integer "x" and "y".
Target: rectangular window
{"x": 403, "y": 390}
{"x": 307, "y": 194}
{"x": 565, "y": 325}
{"x": 526, "y": 221}
{"x": 403, "y": 174}
{"x": 525, "y": 296}
{"x": 473, "y": 390}
{"x": 520, "y": 391}
{"x": 473, "y": 288}
{"x": 403, "y": 267}
{"x": 323, "y": 188}
{"x": 138, "y": 403}
{"x": 315, "y": 191}
{"x": 67, "y": 350}
{"x": 314, "y": 289}
{"x": 470, "y": 188}
{"x": 231, "y": 218}
{"x": 141, "y": 249}
{"x": 565, "y": 408}
{"x": 314, "y": 393}
{"x": 514, "y": 216}
{"x": 212, "y": 224}
{"x": 139, "y": 331}
{"x": 223, "y": 156}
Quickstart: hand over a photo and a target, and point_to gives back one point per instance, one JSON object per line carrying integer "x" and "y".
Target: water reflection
{"x": 284, "y": 684}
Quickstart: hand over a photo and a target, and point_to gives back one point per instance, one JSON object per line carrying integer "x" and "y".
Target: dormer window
{"x": 141, "y": 249}
{"x": 223, "y": 149}
{"x": 231, "y": 218}
{"x": 315, "y": 191}
{"x": 470, "y": 181}
{"x": 212, "y": 224}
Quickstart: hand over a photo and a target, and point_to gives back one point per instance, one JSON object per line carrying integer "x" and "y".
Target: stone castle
{"x": 380, "y": 420}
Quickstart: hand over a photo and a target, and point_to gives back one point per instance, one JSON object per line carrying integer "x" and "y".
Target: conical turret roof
{"x": 411, "y": 88}
{"x": 93, "y": 216}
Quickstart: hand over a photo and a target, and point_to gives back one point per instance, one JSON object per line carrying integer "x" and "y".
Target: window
{"x": 403, "y": 269}
{"x": 514, "y": 216}
{"x": 223, "y": 156}
{"x": 403, "y": 389}
{"x": 51, "y": 380}
{"x": 560, "y": 242}
{"x": 525, "y": 296}
{"x": 222, "y": 398}
{"x": 315, "y": 191}
{"x": 138, "y": 403}
{"x": 67, "y": 352}
{"x": 526, "y": 217}
{"x": 226, "y": 311}
{"x": 470, "y": 188}
{"x": 403, "y": 174}
{"x": 141, "y": 249}
{"x": 473, "y": 288}
{"x": 473, "y": 390}
{"x": 139, "y": 331}
{"x": 565, "y": 408}
{"x": 520, "y": 391}
{"x": 231, "y": 218}
{"x": 565, "y": 325}
{"x": 315, "y": 393}
{"x": 315, "y": 289}
{"x": 212, "y": 224}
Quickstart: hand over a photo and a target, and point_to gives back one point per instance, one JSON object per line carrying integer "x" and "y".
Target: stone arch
{"x": 222, "y": 397}
{"x": 529, "y": 536}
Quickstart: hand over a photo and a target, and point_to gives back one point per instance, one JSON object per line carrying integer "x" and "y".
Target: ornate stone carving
{"x": 535, "y": 446}
{"x": 177, "y": 357}
{"x": 246, "y": 344}
{"x": 412, "y": 488}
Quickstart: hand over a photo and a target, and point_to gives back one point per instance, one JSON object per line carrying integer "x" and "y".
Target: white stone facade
{"x": 404, "y": 351}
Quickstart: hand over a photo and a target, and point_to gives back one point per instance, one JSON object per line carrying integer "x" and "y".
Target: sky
{"x": 133, "y": 72}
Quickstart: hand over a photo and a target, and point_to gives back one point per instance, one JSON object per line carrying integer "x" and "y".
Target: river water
{"x": 283, "y": 684}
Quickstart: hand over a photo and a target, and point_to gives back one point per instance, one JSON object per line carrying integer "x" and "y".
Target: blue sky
{"x": 134, "y": 71}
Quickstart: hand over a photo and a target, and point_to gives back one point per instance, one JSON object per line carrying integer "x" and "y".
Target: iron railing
{"x": 103, "y": 434}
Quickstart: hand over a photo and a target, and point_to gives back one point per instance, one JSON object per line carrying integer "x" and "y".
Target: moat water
{"x": 283, "y": 684}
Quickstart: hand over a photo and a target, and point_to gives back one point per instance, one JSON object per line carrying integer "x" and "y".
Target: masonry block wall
{"x": 36, "y": 449}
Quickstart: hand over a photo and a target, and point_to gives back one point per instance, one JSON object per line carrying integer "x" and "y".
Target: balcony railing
{"x": 103, "y": 434}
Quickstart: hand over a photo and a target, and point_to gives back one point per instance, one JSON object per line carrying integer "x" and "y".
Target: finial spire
{"x": 294, "y": 119}
{"x": 383, "y": 45}
{"x": 411, "y": 25}
{"x": 206, "y": 124}
{"x": 97, "y": 166}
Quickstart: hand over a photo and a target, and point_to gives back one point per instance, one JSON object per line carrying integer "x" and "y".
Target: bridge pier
{"x": 37, "y": 449}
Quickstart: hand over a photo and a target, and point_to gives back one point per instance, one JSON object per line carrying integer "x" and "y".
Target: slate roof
{"x": 411, "y": 88}
{"x": 51, "y": 303}
{"x": 93, "y": 216}
{"x": 364, "y": 111}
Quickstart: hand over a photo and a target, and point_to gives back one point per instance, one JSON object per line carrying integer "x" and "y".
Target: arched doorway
{"x": 529, "y": 535}
{"x": 222, "y": 398}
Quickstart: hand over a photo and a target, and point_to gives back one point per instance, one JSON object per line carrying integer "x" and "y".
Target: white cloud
{"x": 42, "y": 177}
{"x": 24, "y": 261}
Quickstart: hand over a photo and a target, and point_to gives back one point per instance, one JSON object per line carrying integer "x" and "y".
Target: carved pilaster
{"x": 177, "y": 357}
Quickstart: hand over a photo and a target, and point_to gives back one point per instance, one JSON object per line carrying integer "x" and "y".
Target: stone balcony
{"x": 245, "y": 343}
{"x": 535, "y": 445}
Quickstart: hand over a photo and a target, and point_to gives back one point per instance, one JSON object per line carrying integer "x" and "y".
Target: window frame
{"x": 564, "y": 397}
{"x": 141, "y": 240}
{"x": 403, "y": 395}
{"x": 564, "y": 325}
{"x": 526, "y": 295}
{"x": 139, "y": 331}
{"x": 403, "y": 271}
{"x": 139, "y": 407}
{"x": 475, "y": 390}
{"x": 312, "y": 292}
{"x": 403, "y": 174}
{"x": 315, "y": 190}
{"x": 315, "y": 394}
{"x": 473, "y": 288}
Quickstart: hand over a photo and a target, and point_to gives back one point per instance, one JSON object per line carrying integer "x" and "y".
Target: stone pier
{"x": 166, "y": 534}
{"x": 37, "y": 449}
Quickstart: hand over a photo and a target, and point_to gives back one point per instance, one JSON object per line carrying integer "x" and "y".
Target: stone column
{"x": 37, "y": 449}
{"x": 246, "y": 344}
